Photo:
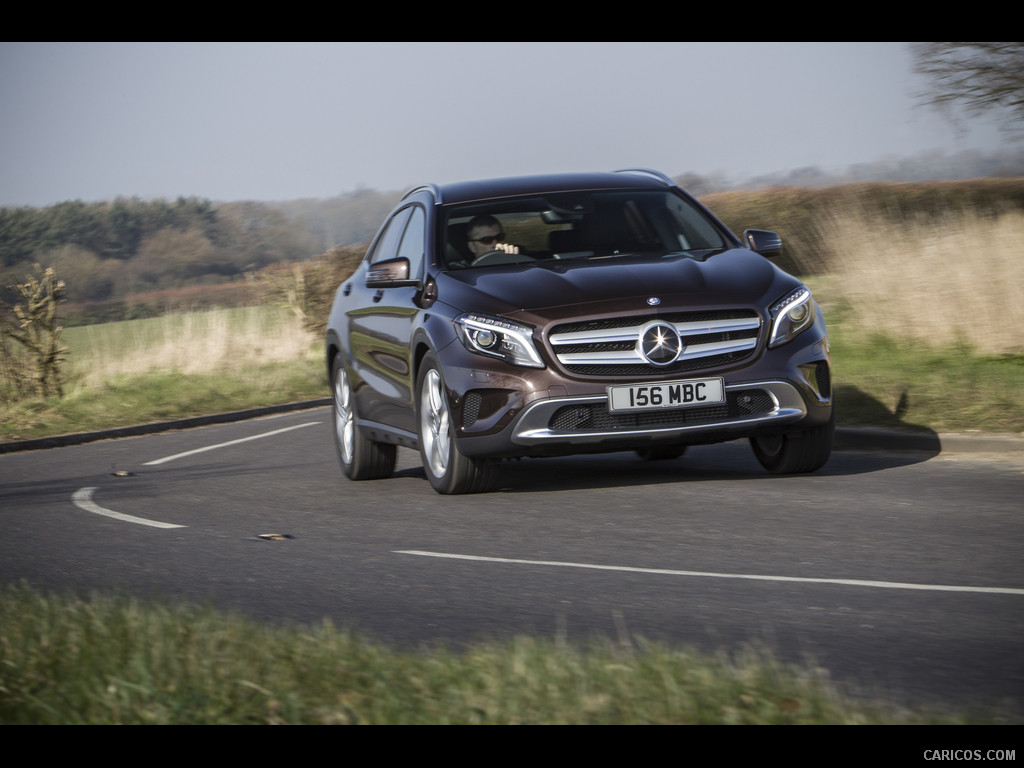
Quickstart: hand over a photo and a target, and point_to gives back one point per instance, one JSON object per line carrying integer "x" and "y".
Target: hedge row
{"x": 799, "y": 214}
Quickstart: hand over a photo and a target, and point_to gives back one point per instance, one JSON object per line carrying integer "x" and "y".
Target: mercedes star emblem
{"x": 660, "y": 343}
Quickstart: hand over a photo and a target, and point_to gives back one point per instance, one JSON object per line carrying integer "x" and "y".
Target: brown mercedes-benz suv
{"x": 580, "y": 313}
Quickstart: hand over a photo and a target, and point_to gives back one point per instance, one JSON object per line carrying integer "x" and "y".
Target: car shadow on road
{"x": 880, "y": 440}
{"x": 855, "y": 407}
{"x": 733, "y": 461}
{"x": 723, "y": 462}
{"x": 874, "y": 437}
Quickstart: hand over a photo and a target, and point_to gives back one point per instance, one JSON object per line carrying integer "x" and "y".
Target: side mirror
{"x": 762, "y": 241}
{"x": 391, "y": 273}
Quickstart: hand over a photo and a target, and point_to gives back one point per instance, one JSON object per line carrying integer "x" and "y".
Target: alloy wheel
{"x": 435, "y": 424}
{"x": 344, "y": 418}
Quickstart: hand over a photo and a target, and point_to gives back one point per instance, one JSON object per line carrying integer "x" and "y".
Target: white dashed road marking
{"x": 225, "y": 445}
{"x": 712, "y": 575}
{"x": 82, "y": 498}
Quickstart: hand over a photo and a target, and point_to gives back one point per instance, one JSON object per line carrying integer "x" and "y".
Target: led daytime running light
{"x": 497, "y": 337}
{"x": 791, "y": 316}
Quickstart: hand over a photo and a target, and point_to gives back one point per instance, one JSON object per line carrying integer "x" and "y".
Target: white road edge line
{"x": 225, "y": 445}
{"x": 83, "y": 500}
{"x": 712, "y": 575}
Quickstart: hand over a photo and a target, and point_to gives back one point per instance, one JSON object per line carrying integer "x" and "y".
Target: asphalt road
{"x": 899, "y": 573}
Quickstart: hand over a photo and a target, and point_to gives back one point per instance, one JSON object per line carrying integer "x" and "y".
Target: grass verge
{"x": 880, "y": 381}
{"x": 177, "y": 366}
{"x": 114, "y": 660}
{"x": 901, "y": 384}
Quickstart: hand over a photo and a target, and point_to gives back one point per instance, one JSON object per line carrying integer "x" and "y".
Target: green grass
{"x": 883, "y": 382}
{"x": 114, "y": 660}
{"x": 144, "y": 399}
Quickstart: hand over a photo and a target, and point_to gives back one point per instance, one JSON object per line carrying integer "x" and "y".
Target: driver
{"x": 484, "y": 236}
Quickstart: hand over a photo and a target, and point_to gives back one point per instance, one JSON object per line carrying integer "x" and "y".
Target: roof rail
{"x": 648, "y": 172}
{"x": 432, "y": 188}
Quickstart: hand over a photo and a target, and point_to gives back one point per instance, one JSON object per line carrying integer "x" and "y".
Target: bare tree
{"x": 36, "y": 327}
{"x": 976, "y": 78}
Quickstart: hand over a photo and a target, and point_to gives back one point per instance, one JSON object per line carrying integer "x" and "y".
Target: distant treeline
{"x": 109, "y": 230}
{"x": 115, "y": 249}
{"x": 110, "y": 252}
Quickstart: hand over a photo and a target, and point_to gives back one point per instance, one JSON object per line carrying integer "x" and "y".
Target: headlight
{"x": 791, "y": 316}
{"x": 496, "y": 337}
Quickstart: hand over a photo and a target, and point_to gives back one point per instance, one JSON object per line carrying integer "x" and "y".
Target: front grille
{"x": 597, "y": 417}
{"x": 610, "y": 346}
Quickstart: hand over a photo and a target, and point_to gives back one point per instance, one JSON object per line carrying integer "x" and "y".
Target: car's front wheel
{"x": 800, "y": 452}
{"x": 448, "y": 470}
{"x": 360, "y": 457}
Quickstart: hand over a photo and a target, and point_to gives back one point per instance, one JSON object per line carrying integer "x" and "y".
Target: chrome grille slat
{"x": 630, "y": 333}
{"x": 633, "y": 356}
{"x": 720, "y": 338}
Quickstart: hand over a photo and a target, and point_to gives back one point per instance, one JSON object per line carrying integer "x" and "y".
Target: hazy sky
{"x": 281, "y": 121}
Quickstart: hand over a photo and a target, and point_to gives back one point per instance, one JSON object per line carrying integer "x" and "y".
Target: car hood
{"x": 733, "y": 277}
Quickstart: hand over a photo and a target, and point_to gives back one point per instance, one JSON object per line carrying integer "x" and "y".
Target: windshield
{"x": 577, "y": 225}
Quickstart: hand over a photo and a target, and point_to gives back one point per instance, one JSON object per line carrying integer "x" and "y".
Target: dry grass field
{"x": 225, "y": 341}
{"x": 961, "y": 282}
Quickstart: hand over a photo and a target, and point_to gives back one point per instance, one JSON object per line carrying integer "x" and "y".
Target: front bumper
{"x": 566, "y": 425}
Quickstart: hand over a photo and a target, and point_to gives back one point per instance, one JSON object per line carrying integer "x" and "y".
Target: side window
{"x": 413, "y": 241}
{"x": 387, "y": 246}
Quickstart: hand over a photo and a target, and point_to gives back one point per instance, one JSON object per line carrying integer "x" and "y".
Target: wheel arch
{"x": 423, "y": 342}
{"x": 331, "y": 351}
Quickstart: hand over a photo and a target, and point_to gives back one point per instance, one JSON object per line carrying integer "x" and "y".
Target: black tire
{"x": 798, "y": 452}
{"x": 360, "y": 457}
{"x": 448, "y": 471}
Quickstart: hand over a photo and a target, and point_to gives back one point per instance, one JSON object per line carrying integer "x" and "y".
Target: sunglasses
{"x": 489, "y": 239}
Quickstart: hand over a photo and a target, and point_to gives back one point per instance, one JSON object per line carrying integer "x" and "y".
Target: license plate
{"x": 666, "y": 394}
